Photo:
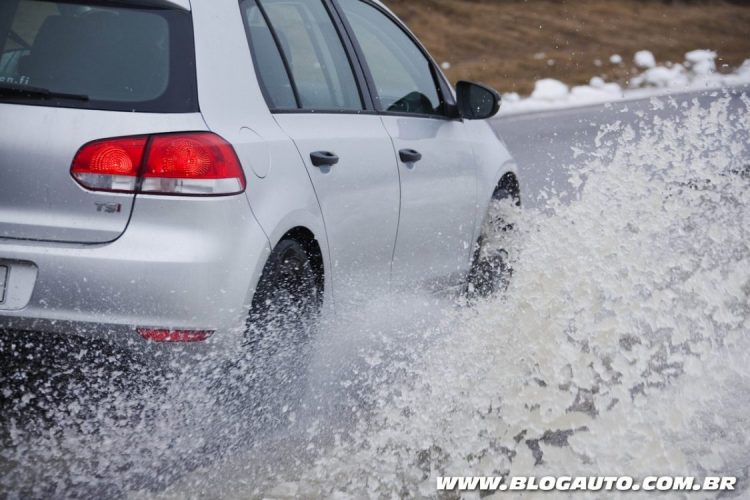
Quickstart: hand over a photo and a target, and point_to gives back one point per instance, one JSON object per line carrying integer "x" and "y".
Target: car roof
{"x": 180, "y": 4}
{"x": 185, "y": 4}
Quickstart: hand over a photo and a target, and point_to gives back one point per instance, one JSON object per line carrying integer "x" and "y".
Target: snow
{"x": 598, "y": 91}
{"x": 446, "y": 65}
{"x": 511, "y": 97}
{"x": 741, "y": 76}
{"x": 662, "y": 77}
{"x": 615, "y": 59}
{"x": 549, "y": 89}
{"x": 701, "y": 62}
{"x": 644, "y": 59}
{"x": 597, "y": 82}
{"x": 696, "y": 72}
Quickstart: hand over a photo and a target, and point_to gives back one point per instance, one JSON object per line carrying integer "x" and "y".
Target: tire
{"x": 283, "y": 319}
{"x": 287, "y": 300}
{"x": 491, "y": 270}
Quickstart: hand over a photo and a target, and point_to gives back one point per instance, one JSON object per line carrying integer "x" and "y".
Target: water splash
{"x": 621, "y": 346}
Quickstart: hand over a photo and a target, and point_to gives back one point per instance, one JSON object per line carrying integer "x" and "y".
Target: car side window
{"x": 403, "y": 76}
{"x": 300, "y": 57}
{"x": 273, "y": 76}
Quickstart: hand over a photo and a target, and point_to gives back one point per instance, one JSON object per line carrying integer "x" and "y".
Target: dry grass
{"x": 510, "y": 44}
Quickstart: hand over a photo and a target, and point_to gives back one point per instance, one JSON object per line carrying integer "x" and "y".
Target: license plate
{"x": 3, "y": 280}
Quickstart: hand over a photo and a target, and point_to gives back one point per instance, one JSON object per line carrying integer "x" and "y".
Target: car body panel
{"x": 168, "y": 270}
{"x": 438, "y": 200}
{"x": 493, "y": 161}
{"x": 359, "y": 196}
{"x": 39, "y": 200}
{"x": 279, "y": 190}
{"x": 180, "y": 4}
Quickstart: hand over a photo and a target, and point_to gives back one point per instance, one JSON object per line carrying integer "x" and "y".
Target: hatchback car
{"x": 185, "y": 171}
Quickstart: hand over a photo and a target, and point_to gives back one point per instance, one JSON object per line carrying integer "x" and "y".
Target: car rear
{"x": 121, "y": 214}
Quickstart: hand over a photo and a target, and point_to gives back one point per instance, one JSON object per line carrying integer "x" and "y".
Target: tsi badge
{"x": 108, "y": 208}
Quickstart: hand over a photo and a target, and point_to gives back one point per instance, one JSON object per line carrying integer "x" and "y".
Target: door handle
{"x": 324, "y": 159}
{"x": 409, "y": 155}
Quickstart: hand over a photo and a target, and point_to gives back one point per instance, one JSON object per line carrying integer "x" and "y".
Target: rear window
{"x": 91, "y": 55}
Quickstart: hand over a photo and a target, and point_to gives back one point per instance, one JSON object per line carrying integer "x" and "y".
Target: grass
{"x": 510, "y": 44}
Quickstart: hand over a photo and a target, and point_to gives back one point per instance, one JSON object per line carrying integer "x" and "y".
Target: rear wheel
{"x": 286, "y": 302}
{"x": 491, "y": 271}
{"x": 282, "y": 322}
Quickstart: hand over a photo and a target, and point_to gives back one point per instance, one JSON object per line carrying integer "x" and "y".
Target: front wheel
{"x": 494, "y": 252}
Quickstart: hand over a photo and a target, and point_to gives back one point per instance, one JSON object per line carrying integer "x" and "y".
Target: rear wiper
{"x": 12, "y": 90}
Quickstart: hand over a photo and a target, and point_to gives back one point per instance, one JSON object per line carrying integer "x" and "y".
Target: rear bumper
{"x": 188, "y": 264}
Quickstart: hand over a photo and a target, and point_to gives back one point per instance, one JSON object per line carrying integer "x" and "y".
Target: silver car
{"x": 185, "y": 172}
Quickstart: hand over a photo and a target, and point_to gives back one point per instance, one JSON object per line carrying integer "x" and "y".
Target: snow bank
{"x": 696, "y": 72}
{"x": 662, "y": 77}
{"x": 549, "y": 89}
{"x": 644, "y": 59}
{"x": 699, "y": 67}
{"x": 701, "y": 62}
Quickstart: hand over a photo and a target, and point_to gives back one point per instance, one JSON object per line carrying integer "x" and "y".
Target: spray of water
{"x": 621, "y": 346}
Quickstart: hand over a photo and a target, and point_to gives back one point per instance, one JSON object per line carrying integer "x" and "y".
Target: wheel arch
{"x": 309, "y": 242}
{"x": 508, "y": 183}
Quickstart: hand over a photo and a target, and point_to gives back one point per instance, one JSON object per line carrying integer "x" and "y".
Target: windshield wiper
{"x": 13, "y": 90}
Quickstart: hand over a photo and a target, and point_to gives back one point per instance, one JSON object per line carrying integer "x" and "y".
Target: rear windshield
{"x": 91, "y": 55}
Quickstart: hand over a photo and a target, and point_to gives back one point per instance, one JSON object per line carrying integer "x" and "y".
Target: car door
{"x": 436, "y": 162}
{"x": 313, "y": 90}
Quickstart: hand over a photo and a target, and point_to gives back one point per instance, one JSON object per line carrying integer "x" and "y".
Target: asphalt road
{"x": 544, "y": 143}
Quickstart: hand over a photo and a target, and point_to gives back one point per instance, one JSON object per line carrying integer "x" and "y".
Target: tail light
{"x": 187, "y": 164}
{"x": 110, "y": 165}
{"x": 184, "y": 336}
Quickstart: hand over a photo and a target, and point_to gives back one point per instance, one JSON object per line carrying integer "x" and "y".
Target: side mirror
{"x": 476, "y": 101}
